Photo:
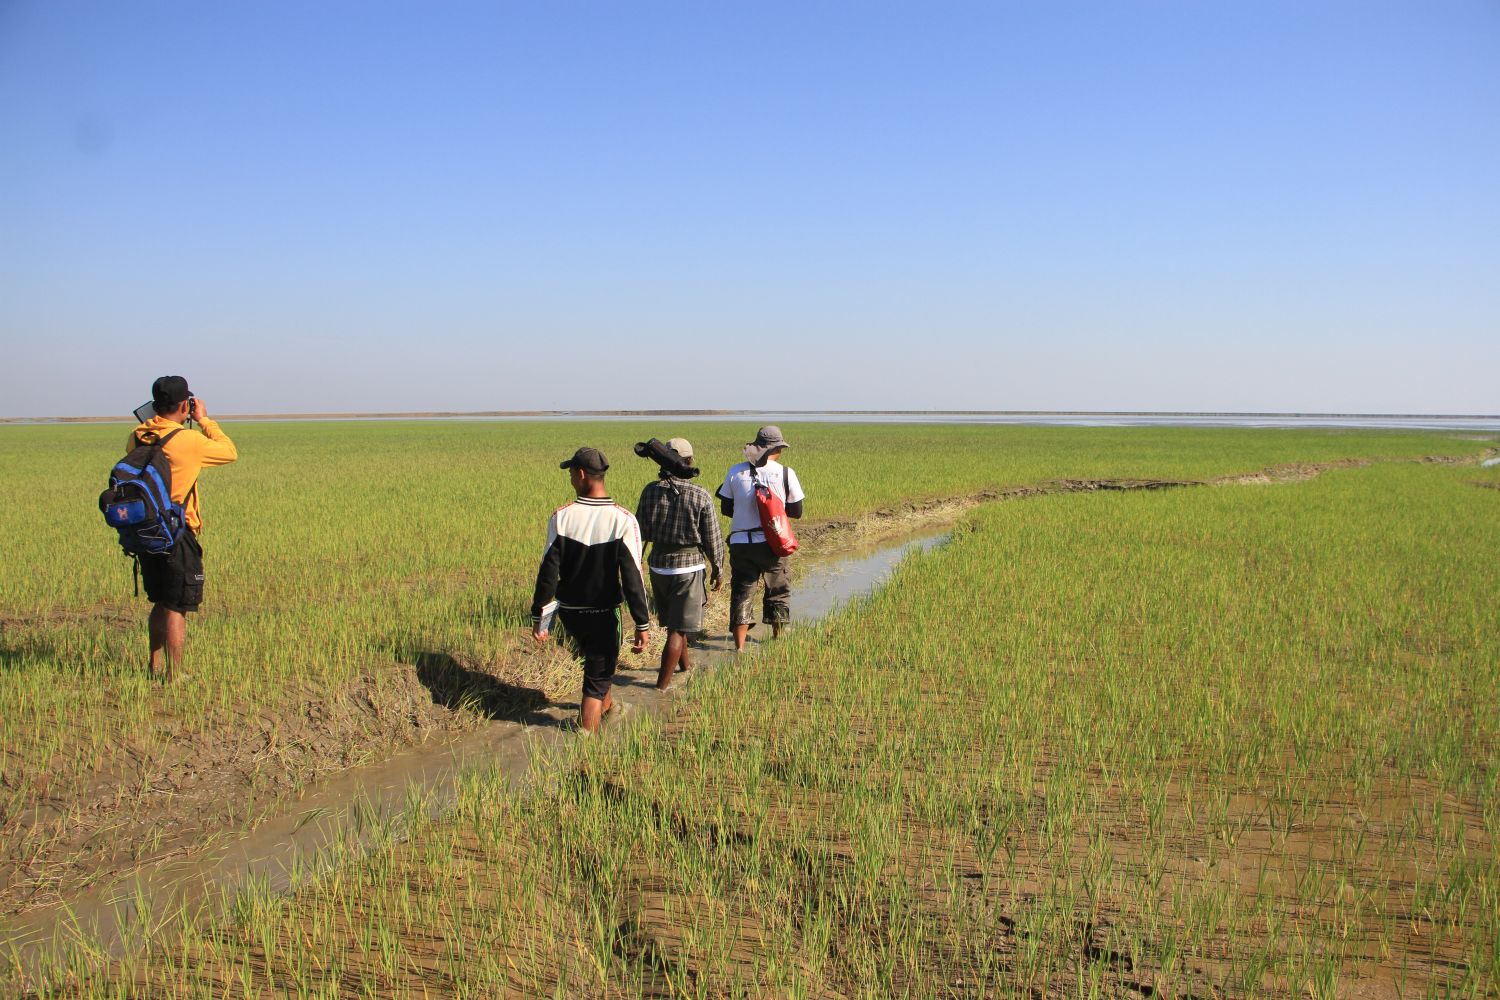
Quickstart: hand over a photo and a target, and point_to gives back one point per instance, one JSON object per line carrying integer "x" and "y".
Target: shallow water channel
{"x": 352, "y": 810}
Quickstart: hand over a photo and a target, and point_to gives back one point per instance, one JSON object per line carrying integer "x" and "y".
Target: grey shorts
{"x": 680, "y": 599}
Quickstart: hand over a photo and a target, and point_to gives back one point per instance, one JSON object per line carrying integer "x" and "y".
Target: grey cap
{"x": 590, "y": 460}
{"x": 683, "y": 447}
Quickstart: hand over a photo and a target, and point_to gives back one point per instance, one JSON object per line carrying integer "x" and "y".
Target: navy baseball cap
{"x": 170, "y": 390}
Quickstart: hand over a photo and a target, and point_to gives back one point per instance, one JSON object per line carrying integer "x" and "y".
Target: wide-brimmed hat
{"x": 767, "y": 439}
{"x": 590, "y": 460}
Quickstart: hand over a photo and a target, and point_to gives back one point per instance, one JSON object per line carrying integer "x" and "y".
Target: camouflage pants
{"x": 752, "y": 563}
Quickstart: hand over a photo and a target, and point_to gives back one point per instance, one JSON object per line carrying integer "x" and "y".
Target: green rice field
{"x": 1233, "y": 739}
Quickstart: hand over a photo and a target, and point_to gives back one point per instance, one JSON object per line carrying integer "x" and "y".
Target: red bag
{"x": 773, "y": 519}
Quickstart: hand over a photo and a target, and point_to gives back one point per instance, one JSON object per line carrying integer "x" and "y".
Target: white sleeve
{"x": 726, "y": 492}
{"x": 632, "y": 537}
{"x": 551, "y": 534}
{"x": 794, "y": 492}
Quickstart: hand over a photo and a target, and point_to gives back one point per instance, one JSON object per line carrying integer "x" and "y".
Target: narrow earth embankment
{"x": 365, "y": 804}
{"x": 903, "y": 518}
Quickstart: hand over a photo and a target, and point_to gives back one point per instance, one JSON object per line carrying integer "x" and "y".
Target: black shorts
{"x": 595, "y": 638}
{"x": 174, "y": 580}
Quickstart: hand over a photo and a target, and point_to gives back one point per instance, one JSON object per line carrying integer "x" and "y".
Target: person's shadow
{"x": 456, "y": 687}
{"x": 23, "y": 652}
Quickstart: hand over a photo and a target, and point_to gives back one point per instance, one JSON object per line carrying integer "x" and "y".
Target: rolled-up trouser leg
{"x": 750, "y": 564}
{"x": 776, "y": 599}
{"x": 744, "y": 574}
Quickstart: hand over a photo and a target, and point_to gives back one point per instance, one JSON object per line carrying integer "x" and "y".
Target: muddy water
{"x": 364, "y": 804}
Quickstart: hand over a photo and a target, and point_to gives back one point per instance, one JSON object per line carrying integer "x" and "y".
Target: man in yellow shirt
{"x": 174, "y": 579}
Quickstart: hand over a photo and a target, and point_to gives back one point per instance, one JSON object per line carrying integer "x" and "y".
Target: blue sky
{"x": 1112, "y": 205}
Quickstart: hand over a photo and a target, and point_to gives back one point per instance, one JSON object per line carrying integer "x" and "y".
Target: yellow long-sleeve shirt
{"x": 187, "y": 454}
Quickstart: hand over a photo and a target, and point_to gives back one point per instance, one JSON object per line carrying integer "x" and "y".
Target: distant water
{"x": 1376, "y": 422}
{"x": 1480, "y": 424}
{"x": 1394, "y": 421}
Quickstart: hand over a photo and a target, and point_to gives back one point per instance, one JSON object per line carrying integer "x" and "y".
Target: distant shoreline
{"x": 893, "y": 415}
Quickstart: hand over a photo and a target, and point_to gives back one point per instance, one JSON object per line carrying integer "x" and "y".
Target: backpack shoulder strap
{"x": 156, "y": 447}
{"x": 158, "y": 443}
{"x": 786, "y": 482}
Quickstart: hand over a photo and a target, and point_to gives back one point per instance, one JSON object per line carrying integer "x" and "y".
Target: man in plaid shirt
{"x": 687, "y": 545}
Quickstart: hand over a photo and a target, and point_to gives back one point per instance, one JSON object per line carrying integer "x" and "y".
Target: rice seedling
{"x": 1236, "y": 739}
{"x": 1220, "y": 741}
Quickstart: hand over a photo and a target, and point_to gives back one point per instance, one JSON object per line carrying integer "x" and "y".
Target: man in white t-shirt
{"x": 751, "y": 560}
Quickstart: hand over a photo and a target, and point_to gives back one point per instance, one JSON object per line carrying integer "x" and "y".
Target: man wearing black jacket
{"x": 592, "y": 562}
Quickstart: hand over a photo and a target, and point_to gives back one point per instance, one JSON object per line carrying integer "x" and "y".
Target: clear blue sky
{"x": 1117, "y": 205}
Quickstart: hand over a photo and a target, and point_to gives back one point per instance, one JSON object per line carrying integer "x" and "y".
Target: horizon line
{"x": 433, "y": 414}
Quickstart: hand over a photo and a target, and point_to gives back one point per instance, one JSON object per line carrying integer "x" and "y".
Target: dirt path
{"x": 902, "y": 518}
{"x": 365, "y": 804}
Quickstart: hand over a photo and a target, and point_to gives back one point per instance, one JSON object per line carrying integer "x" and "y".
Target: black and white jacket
{"x": 593, "y": 561}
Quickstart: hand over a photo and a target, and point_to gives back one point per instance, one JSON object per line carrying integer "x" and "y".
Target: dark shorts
{"x": 679, "y": 600}
{"x": 174, "y": 580}
{"x": 595, "y": 639}
{"x": 749, "y": 564}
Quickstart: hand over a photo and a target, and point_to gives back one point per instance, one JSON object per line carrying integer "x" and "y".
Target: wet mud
{"x": 902, "y": 518}
{"x": 367, "y": 804}
{"x": 346, "y": 770}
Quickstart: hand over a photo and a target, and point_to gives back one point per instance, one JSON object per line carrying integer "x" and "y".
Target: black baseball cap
{"x": 590, "y": 460}
{"x": 170, "y": 390}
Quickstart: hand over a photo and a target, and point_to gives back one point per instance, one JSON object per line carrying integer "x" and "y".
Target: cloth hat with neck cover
{"x": 767, "y": 440}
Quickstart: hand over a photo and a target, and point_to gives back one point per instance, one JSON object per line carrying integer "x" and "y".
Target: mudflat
{"x": 359, "y": 606}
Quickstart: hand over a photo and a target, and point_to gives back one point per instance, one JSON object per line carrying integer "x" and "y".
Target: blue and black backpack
{"x": 138, "y": 503}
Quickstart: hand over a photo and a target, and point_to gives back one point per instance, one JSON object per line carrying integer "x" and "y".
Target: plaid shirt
{"x": 679, "y": 520}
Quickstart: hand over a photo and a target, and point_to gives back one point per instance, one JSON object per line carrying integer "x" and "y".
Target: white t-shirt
{"x": 739, "y": 486}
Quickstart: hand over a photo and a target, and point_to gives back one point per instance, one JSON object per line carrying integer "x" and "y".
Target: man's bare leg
{"x": 670, "y": 651}
{"x": 776, "y": 630}
{"x": 593, "y": 710}
{"x": 673, "y": 655}
{"x": 167, "y": 631}
{"x": 740, "y": 632}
